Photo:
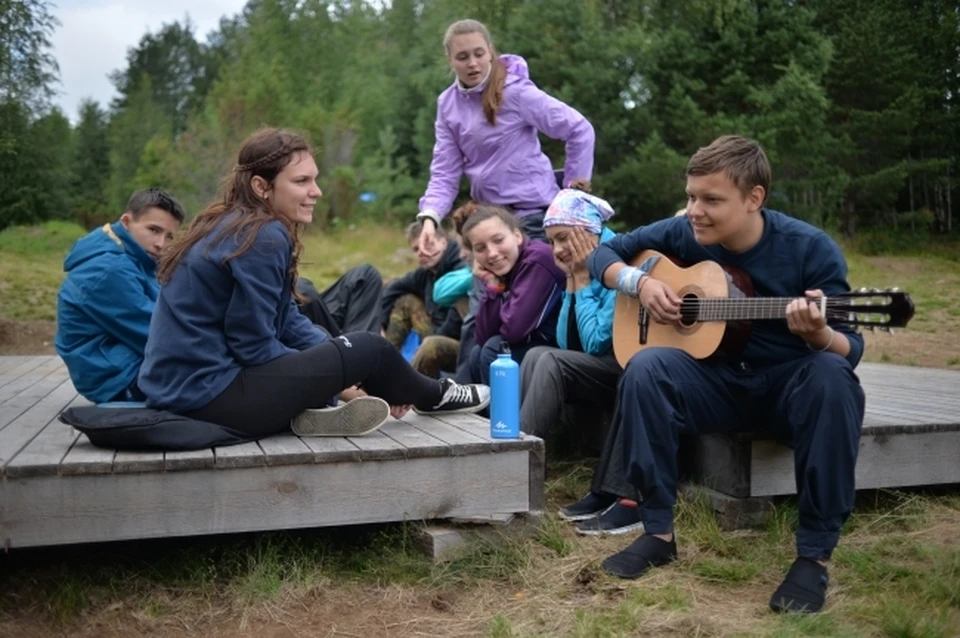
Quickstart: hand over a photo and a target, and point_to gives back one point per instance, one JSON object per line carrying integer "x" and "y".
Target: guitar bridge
{"x": 643, "y": 320}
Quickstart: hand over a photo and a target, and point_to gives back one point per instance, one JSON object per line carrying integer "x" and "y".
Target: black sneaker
{"x": 472, "y": 397}
{"x": 804, "y": 590}
{"x": 589, "y": 506}
{"x": 642, "y": 554}
{"x": 618, "y": 519}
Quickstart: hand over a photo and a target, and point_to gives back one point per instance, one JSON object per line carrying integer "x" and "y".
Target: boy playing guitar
{"x": 794, "y": 378}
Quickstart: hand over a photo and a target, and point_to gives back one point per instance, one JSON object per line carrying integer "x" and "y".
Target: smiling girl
{"x": 522, "y": 288}
{"x": 227, "y": 343}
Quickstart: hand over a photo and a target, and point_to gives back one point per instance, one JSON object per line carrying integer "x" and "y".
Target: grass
{"x": 896, "y": 573}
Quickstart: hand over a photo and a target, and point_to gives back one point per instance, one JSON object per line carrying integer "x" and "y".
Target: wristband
{"x": 628, "y": 280}
{"x": 833, "y": 333}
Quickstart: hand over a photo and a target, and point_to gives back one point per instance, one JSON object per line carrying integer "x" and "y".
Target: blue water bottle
{"x": 504, "y": 398}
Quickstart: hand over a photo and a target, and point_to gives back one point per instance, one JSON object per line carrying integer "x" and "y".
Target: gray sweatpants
{"x": 550, "y": 379}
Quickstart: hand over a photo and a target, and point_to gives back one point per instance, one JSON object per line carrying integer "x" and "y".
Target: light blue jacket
{"x": 594, "y": 313}
{"x": 452, "y": 286}
{"x": 103, "y": 311}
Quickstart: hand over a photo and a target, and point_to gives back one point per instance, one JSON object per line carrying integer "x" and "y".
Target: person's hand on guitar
{"x": 659, "y": 300}
{"x": 805, "y": 320}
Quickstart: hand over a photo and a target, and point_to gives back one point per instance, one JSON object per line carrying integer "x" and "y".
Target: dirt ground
{"x": 18, "y": 337}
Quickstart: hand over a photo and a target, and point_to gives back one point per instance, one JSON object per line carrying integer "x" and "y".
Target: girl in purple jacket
{"x": 486, "y": 128}
{"x": 522, "y": 288}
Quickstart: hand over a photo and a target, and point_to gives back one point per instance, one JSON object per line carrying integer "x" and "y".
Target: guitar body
{"x": 700, "y": 339}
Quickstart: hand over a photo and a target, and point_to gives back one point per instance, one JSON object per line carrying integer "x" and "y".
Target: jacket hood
{"x": 517, "y": 68}
{"x": 109, "y": 238}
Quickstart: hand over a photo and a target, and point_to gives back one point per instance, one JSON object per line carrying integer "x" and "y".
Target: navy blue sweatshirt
{"x": 215, "y": 317}
{"x": 791, "y": 257}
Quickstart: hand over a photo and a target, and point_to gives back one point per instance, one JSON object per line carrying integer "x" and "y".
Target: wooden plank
{"x": 29, "y": 396}
{"x": 285, "y": 449}
{"x": 25, "y": 427}
{"x": 18, "y": 371}
{"x": 901, "y": 460}
{"x": 241, "y": 455}
{"x": 43, "y": 455}
{"x": 417, "y": 443}
{"x": 27, "y": 379}
{"x": 377, "y": 446}
{"x": 480, "y": 428}
{"x": 332, "y": 449}
{"x": 10, "y": 362}
{"x": 188, "y": 460}
{"x": 85, "y": 459}
{"x": 51, "y": 510}
{"x": 129, "y": 462}
{"x": 460, "y": 442}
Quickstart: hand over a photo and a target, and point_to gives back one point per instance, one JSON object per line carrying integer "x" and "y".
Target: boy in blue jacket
{"x": 107, "y": 298}
{"x": 794, "y": 379}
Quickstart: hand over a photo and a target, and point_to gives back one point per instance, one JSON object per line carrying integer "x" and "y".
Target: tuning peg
{"x": 894, "y": 289}
{"x": 861, "y": 289}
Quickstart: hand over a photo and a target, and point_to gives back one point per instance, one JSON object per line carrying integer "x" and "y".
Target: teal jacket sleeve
{"x": 452, "y": 286}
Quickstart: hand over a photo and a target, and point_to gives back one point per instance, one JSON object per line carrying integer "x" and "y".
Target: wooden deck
{"x": 57, "y": 488}
{"x": 910, "y": 437}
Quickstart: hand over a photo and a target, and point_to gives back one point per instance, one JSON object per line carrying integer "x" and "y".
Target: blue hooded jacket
{"x": 103, "y": 311}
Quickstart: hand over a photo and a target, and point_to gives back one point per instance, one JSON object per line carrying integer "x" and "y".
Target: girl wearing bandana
{"x": 583, "y": 369}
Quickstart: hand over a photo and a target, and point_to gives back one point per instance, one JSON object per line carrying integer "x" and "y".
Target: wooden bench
{"x": 910, "y": 437}
{"x": 57, "y": 488}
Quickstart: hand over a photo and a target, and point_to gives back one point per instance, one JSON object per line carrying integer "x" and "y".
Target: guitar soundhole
{"x": 690, "y": 295}
{"x": 689, "y": 311}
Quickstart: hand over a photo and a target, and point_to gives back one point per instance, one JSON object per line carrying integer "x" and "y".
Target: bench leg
{"x": 733, "y": 512}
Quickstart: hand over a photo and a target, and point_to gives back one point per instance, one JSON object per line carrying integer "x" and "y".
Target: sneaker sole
{"x": 577, "y": 518}
{"x": 471, "y": 409}
{"x": 360, "y": 416}
{"x": 611, "y": 532}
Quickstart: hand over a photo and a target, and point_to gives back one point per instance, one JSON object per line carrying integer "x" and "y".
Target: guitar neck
{"x": 743, "y": 309}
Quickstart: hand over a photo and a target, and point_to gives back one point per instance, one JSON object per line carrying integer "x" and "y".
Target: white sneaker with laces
{"x": 357, "y": 417}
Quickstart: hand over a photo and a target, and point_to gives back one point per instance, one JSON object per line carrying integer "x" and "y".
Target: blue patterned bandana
{"x": 572, "y": 207}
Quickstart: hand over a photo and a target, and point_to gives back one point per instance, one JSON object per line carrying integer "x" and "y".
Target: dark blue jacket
{"x": 103, "y": 311}
{"x": 216, "y": 316}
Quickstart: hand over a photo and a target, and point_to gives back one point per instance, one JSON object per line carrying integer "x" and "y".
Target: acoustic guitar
{"x": 718, "y": 306}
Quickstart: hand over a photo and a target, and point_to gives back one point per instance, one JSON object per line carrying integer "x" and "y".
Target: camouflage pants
{"x": 436, "y": 353}
{"x": 408, "y": 314}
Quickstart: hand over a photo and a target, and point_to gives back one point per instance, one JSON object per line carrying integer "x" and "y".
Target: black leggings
{"x": 263, "y": 399}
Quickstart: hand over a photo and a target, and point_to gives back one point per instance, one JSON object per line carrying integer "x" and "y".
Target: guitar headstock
{"x": 874, "y": 308}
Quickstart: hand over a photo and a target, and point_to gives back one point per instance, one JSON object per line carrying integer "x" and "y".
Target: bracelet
{"x": 628, "y": 279}
{"x": 643, "y": 281}
{"x": 833, "y": 333}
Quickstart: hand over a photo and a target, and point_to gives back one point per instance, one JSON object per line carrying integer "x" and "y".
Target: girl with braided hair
{"x": 227, "y": 342}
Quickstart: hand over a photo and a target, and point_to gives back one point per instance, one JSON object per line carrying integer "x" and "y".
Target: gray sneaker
{"x": 362, "y": 415}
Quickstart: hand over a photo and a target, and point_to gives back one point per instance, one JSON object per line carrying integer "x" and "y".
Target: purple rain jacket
{"x": 531, "y": 301}
{"x": 504, "y": 162}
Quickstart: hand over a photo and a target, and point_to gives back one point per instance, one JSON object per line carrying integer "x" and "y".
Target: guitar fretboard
{"x": 750, "y": 308}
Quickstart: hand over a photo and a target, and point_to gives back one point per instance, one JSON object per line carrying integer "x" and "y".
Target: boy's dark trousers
{"x": 814, "y": 403}
{"x": 351, "y": 304}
